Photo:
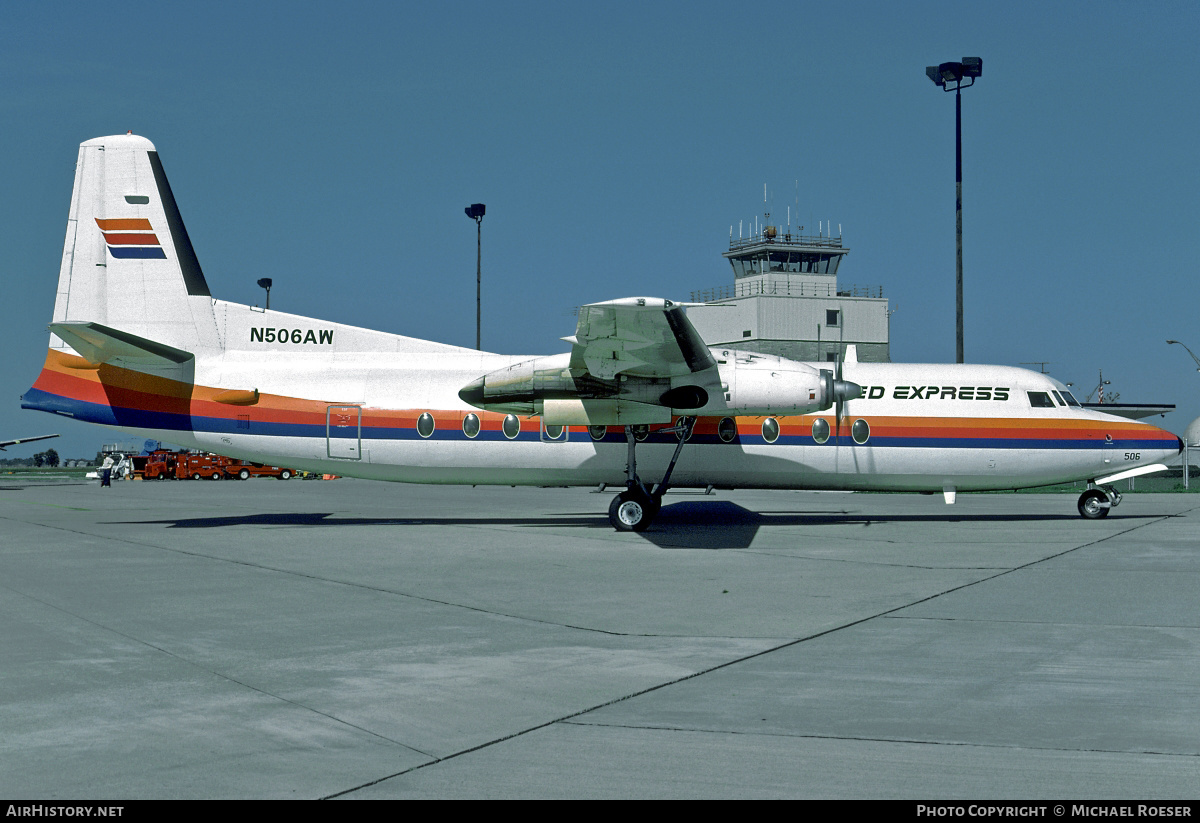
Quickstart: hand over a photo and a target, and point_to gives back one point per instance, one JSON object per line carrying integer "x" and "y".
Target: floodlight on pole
{"x": 476, "y": 211}
{"x": 265, "y": 283}
{"x": 950, "y": 77}
{"x": 1189, "y": 351}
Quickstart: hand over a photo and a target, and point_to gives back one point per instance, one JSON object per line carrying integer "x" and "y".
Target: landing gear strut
{"x": 635, "y": 508}
{"x": 1096, "y": 502}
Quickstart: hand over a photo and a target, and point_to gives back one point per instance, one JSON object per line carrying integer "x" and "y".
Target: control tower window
{"x": 1040, "y": 400}
{"x": 833, "y": 317}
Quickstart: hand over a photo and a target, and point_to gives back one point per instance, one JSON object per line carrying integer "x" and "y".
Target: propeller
{"x": 843, "y": 390}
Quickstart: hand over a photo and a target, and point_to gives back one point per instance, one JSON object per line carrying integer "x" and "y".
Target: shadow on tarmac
{"x": 715, "y": 524}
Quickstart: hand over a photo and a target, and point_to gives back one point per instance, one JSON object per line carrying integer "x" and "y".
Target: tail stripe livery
{"x": 131, "y": 239}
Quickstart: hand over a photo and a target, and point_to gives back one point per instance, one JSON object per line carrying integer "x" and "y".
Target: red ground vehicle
{"x": 244, "y": 471}
{"x": 163, "y": 464}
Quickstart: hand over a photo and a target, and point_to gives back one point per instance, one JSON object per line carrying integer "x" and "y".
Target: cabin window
{"x": 1040, "y": 400}
{"x": 770, "y": 430}
{"x": 425, "y": 424}
{"x": 597, "y": 432}
{"x": 820, "y": 430}
{"x": 554, "y": 432}
{"x": 471, "y": 425}
{"x": 727, "y": 429}
{"x": 512, "y": 426}
{"x": 860, "y": 431}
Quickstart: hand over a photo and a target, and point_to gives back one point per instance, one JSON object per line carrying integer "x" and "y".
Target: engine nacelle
{"x": 749, "y": 384}
{"x": 768, "y": 385}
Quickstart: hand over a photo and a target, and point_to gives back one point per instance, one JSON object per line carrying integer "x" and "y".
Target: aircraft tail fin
{"x": 128, "y": 262}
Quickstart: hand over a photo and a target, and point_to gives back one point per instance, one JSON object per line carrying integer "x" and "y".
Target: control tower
{"x": 785, "y": 300}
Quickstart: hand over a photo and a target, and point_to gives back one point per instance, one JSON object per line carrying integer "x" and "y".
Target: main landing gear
{"x": 635, "y": 508}
{"x": 1097, "y": 501}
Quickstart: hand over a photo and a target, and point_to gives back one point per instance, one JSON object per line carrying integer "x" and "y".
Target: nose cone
{"x": 472, "y": 393}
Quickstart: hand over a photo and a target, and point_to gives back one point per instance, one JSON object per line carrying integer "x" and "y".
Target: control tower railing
{"x": 783, "y": 288}
{"x": 785, "y": 239}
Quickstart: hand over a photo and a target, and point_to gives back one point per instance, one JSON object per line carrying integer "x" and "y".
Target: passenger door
{"x": 343, "y": 431}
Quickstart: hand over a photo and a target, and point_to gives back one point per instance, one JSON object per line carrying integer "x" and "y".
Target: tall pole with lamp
{"x": 950, "y": 77}
{"x": 475, "y": 211}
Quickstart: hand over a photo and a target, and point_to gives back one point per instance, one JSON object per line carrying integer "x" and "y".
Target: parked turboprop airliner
{"x": 138, "y": 342}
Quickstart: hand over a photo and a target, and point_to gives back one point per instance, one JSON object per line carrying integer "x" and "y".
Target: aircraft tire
{"x": 632, "y": 511}
{"x": 1091, "y": 504}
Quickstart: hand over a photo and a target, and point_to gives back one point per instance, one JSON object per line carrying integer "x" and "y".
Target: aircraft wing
{"x": 4, "y": 443}
{"x": 100, "y": 344}
{"x": 637, "y": 336}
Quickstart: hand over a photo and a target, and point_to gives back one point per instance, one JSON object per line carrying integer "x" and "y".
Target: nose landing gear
{"x": 1096, "y": 502}
{"x": 635, "y": 508}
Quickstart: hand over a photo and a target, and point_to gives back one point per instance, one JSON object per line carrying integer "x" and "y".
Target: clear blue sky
{"x": 333, "y": 147}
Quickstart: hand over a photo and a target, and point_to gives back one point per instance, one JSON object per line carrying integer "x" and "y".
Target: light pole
{"x": 1189, "y": 351}
{"x": 475, "y": 211}
{"x": 950, "y": 77}
{"x": 265, "y": 283}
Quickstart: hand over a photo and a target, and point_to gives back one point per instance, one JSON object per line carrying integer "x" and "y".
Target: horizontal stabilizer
{"x": 100, "y": 344}
{"x": 4, "y": 443}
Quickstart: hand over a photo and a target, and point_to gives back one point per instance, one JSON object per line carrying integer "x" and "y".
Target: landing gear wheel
{"x": 1093, "y": 504}
{"x": 632, "y": 511}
